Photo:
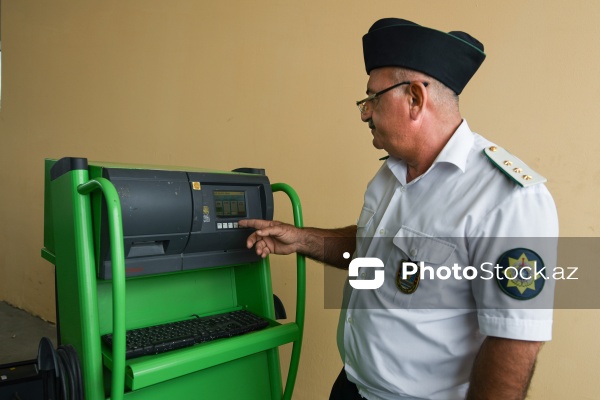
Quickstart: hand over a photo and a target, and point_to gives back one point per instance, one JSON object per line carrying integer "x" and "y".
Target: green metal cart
{"x": 78, "y": 199}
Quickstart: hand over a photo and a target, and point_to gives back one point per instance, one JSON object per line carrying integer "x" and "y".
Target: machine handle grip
{"x": 115, "y": 226}
{"x": 300, "y": 289}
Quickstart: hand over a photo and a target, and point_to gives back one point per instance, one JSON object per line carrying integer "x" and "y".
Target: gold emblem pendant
{"x": 407, "y": 283}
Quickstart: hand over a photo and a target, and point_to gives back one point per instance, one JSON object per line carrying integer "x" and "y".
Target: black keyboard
{"x": 161, "y": 338}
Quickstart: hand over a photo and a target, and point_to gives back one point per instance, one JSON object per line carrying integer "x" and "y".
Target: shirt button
{"x": 413, "y": 252}
{"x": 382, "y": 231}
{"x": 349, "y": 320}
{"x": 403, "y": 189}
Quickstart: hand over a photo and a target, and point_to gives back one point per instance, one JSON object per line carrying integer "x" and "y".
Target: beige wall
{"x": 272, "y": 84}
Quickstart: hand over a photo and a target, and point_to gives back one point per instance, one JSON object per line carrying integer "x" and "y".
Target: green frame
{"x": 89, "y": 307}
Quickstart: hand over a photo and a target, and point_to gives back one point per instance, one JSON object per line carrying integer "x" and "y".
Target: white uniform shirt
{"x": 463, "y": 210}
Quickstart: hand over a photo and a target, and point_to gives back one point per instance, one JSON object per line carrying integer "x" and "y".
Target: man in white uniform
{"x": 460, "y": 225}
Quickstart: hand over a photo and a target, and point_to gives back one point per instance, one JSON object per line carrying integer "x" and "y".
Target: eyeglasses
{"x": 363, "y": 105}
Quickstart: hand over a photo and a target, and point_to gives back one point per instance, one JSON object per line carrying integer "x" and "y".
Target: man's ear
{"x": 418, "y": 98}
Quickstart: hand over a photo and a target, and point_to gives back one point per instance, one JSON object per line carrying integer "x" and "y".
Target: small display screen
{"x": 230, "y": 204}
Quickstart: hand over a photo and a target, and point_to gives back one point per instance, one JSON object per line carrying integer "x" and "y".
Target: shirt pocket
{"x": 433, "y": 252}
{"x": 418, "y": 246}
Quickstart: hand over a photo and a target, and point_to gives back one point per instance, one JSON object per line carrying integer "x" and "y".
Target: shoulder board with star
{"x": 512, "y": 167}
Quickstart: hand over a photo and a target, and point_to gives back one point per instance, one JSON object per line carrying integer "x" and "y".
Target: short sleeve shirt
{"x": 463, "y": 212}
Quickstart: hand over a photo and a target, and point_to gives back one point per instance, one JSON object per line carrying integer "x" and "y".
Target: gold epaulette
{"x": 512, "y": 167}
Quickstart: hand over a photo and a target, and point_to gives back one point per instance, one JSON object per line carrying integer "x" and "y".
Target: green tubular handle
{"x": 300, "y": 289}
{"x": 115, "y": 226}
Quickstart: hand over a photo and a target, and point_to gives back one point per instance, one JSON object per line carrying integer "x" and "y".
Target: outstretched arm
{"x": 325, "y": 245}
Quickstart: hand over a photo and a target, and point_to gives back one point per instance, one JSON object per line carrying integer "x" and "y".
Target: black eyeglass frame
{"x": 362, "y": 104}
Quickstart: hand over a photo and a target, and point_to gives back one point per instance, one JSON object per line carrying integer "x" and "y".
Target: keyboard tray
{"x": 171, "y": 336}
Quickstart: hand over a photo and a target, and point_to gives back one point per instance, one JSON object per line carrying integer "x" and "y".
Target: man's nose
{"x": 366, "y": 116}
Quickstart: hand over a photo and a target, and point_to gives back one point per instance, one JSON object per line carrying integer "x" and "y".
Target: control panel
{"x": 179, "y": 220}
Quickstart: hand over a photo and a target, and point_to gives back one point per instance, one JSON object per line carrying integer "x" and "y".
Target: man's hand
{"x": 324, "y": 245}
{"x": 272, "y": 237}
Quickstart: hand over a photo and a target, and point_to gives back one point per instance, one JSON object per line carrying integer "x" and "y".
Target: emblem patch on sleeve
{"x": 517, "y": 274}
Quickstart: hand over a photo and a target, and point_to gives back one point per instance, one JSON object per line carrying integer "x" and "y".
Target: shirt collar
{"x": 456, "y": 152}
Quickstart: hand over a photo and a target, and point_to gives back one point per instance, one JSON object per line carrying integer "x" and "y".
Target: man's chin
{"x": 377, "y": 145}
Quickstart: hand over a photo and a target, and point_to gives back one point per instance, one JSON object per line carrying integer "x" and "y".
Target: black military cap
{"x": 451, "y": 58}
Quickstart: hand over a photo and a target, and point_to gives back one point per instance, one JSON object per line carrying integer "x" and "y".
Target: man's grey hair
{"x": 442, "y": 97}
